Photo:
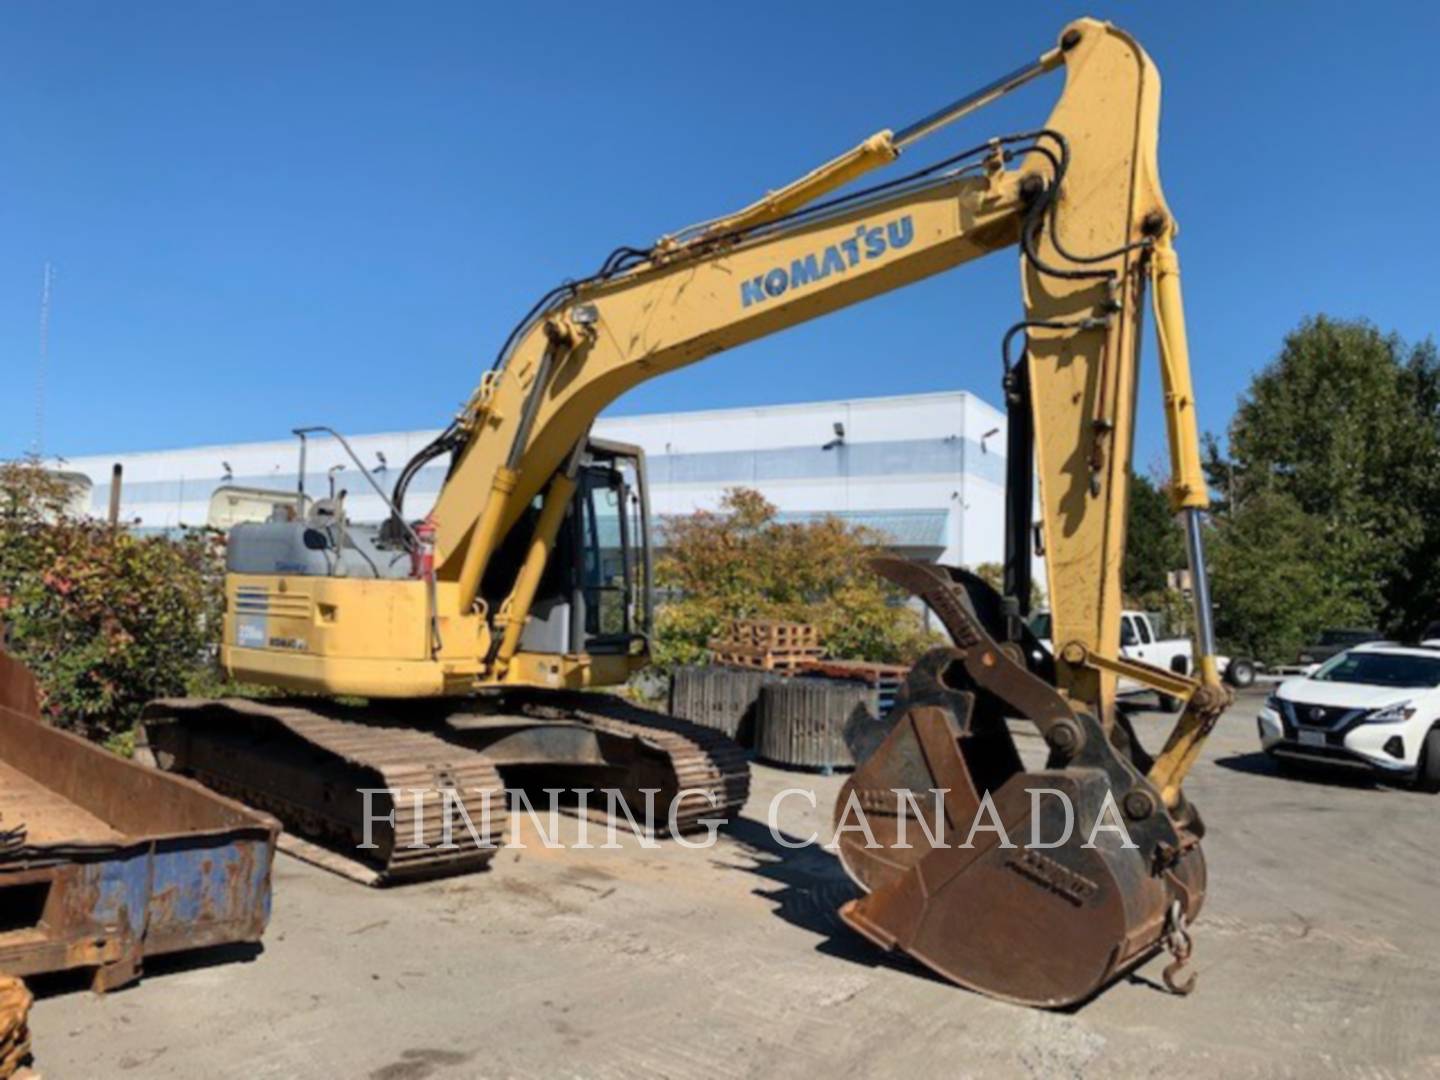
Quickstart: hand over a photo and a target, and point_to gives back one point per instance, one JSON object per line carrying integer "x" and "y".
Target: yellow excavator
{"x": 450, "y": 656}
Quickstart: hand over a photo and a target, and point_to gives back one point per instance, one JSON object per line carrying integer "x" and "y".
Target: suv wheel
{"x": 1427, "y": 777}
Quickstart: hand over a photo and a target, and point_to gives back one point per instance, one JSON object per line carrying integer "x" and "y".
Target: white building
{"x": 926, "y": 470}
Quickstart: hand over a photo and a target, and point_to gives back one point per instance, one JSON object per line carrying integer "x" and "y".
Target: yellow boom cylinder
{"x": 871, "y": 154}
{"x": 1187, "y": 492}
{"x": 487, "y": 536}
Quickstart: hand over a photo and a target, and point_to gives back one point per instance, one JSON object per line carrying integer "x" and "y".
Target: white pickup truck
{"x": 1139, "y": 640}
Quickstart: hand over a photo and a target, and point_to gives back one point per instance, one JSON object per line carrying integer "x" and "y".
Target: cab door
{"x": 595, "y": 594}
{"x": 611, "y": 605}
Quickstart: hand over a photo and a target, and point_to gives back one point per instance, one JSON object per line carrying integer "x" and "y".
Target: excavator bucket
{"x": 1039, "y": 886}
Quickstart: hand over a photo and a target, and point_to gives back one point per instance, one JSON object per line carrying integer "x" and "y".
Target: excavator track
{"x": 308, "y": 767}
{"x": 307, "y": 763}
{"x": 677, "y": 756}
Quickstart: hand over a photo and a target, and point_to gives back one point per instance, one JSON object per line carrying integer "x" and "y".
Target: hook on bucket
{"x": 1179, "y": 945}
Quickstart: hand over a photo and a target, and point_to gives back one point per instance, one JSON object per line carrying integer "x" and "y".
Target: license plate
{"x": 1312, "y": 738}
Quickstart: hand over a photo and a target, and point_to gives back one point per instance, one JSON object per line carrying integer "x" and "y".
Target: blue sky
{"x": 265, "y": 214}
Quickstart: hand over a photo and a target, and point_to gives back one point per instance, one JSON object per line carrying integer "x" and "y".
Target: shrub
{"x": 106, "y": 620}
{"x": 740, "y": 562}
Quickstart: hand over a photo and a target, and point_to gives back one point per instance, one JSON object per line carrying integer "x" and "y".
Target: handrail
{"x": 430, "y": 592}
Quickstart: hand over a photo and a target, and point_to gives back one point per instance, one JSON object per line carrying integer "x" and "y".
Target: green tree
{"x": 1345, "y": 425}
{"x": 1154, "y": 542}
{"x": 741, "y": 562}
{"x": 105, "y": 619}
{"x": 1275, "y": 579}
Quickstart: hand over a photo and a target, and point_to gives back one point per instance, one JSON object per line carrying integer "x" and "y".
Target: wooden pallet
{"x": 772, "y": 633}
{"x": 859, "y": 670}
{"x": 767, "y": 645}
{"x": 757, "y": 658}
{"x": 885, "y": 679}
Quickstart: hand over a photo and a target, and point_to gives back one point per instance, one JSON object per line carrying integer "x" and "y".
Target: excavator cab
{"x": 595, "y": 595}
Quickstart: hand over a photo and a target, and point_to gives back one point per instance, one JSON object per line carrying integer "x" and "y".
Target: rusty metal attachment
{"x": 800, "y": 722}
{"x": 723, "y": 699}
{"x": 15, "y": 1003}
{"x": 104, "y": 862}
{"x": 1037, "y": 886}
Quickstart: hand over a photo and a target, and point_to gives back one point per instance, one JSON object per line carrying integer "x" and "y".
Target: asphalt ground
{"x": 1318, "y": 954}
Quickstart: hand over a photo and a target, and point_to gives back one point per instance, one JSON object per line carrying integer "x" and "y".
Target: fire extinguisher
{"x": 422, "y": 559}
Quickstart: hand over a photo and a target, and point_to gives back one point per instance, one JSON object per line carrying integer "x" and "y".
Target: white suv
{"x": 1377, "y": 706}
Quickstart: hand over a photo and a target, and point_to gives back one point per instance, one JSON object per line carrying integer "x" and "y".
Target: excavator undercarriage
{"x": 437, "y": 776}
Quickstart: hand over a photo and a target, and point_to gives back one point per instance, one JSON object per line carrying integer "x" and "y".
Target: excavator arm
{"x": 1080, "y": 196}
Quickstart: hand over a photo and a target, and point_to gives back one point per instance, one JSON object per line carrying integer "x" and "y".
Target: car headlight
{"x": 1392, "y": 714}
{"x": 1306, "y": 658}
{"x": 1273, "y": 704}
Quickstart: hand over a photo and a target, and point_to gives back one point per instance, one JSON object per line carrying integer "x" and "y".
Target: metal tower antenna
{"x": 38, "y": 449}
